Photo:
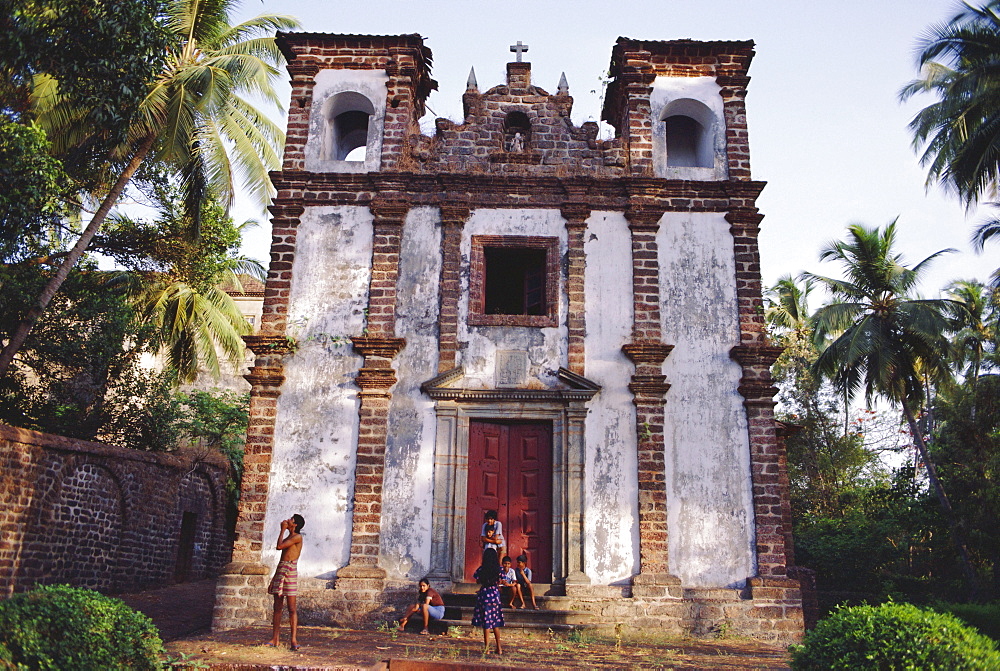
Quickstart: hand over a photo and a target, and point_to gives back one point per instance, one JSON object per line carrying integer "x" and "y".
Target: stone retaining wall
{"x": 103, "y": 517}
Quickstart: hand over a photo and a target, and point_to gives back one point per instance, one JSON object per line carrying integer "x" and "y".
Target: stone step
{"x": 531, "y": 626}
{"x": 540, "y": 589}
{"x": 516, "y": 617}
{"x": 543, "y": 602}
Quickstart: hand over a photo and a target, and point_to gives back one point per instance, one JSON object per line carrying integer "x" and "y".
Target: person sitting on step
{"x": 429, "y": 603}
{"x": 508, "y": 583}
{"x": 523, "y": 574}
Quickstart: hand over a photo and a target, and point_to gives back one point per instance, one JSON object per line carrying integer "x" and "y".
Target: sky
{"x": 827, "y": 131}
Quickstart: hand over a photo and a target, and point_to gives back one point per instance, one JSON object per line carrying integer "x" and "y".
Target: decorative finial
{"x": 472, "y": 84}
{"x": 563, "y": 85}
{"x": 519, "y": 49}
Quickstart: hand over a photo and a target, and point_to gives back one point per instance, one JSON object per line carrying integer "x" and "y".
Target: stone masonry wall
{"x": 103, "y": 517}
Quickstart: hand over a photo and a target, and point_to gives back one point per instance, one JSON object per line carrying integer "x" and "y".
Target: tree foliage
{"x": 959, "y": 134}
{"x": 34, "y": 186}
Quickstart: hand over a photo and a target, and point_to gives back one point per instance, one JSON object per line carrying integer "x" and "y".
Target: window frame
{"x": 477, "y": 281}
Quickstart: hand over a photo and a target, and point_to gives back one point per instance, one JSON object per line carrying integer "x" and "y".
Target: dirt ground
{"x": 183, "y": 615}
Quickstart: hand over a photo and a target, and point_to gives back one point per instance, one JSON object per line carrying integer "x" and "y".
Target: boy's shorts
{"x": 285, "y": 581}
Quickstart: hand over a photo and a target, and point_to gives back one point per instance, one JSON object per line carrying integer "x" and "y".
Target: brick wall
{"x": 103, "y": 517}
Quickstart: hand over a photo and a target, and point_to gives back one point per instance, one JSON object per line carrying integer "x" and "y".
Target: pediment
{"x": 450, "y": 386}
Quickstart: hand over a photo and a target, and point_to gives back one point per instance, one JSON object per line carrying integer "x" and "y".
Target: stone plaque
{"x": 512, "y": 368}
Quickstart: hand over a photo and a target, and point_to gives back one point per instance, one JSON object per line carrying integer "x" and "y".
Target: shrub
{"x": 893, "y": 636}
{"x": 59, "y": 627}
{"x": 982, "y": 616}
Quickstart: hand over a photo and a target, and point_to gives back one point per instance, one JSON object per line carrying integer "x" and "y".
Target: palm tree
{"x": 960, "y": 133}
{"x": 883, "y": 340}
{"x": 980, "y": 236}
{"x": 973, "y": 326}
{"x": 190, "y": 322}
{"x": 788, "y": 305}
{"x": 195, "y": 119}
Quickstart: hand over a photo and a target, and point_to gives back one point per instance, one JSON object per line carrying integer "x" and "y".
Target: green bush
{"x": 982, "y": 616}
{"x": 59, "y": 627}
{"x": 893, "y": 636}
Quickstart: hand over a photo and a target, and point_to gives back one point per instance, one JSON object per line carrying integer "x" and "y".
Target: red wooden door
{"x": 510, "y": 471}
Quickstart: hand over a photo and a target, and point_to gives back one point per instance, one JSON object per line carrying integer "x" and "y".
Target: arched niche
{"x": 348, "y": 117}
{"x": 690, "y": 132}
{"x": 346, "y": 121}
{"x": 516, "y": 131}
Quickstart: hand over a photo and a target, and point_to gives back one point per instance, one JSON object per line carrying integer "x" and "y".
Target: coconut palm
{"x": 983, "y": 233}
{"x": 974, "y": 326}
{"x": 883, "y": 340}
{"x": 195, "y": 119}
{"x": 959, "y": 135}
{"x": 788, "y": 305}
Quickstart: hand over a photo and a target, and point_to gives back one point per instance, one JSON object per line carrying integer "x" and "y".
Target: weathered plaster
{"x": 312, "y": 470}
{"x": 674, "y": 91}
{"x": 369, "y": 83}
{"x": 409, "y": 456}
{"x": 611, "y": 517}
{"x": 707, "y": 446}
{"x": 546, "y": 347}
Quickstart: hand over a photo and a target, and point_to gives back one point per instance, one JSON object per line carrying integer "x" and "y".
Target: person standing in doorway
{"x": 285, "y": 583}
{"x": 491, "y": 534}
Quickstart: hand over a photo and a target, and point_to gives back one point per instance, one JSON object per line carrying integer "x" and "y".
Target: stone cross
{"x": 519, "y": 49}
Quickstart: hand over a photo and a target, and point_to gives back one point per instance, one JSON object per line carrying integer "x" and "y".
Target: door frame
{"x": 455, "y": 408}
{"x": 506, "y": 513}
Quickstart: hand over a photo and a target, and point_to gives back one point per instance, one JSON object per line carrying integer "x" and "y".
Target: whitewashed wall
{"x": 312, "y": 470}
{"x": 612, "y": 496}
{"x": 409, "y": 456}
{"x": 707, "y": 450}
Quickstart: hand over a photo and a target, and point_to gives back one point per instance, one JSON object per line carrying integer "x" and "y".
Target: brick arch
{"x": 84, "y": 523}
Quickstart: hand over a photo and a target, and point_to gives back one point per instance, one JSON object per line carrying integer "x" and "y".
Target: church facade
{"x": 513, "y": 314}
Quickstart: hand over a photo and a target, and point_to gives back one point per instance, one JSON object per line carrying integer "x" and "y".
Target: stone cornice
{"x": 269, "y": 344}
{"x": 389, "y": 212}
{"x": 575, "y": 213}
{"x": 580, "y": 389}
{"x": 286, "y": 211}
{"x": 375, "y": 379}
{"x": 519, "y": 191}
{"x": 263, "y": 379}
{"x": 756, "y": 355}
{"x": 454, "y": 213}
{"x": 383, "y": 348}
{"x": 647, "y": 352}
{"x": 648, "y": 388}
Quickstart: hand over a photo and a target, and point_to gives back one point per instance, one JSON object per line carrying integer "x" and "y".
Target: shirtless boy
{"x": 286, "y": 578}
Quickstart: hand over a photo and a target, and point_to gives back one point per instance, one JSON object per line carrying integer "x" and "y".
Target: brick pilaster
{"x": 284, "y": 231}
{"x": 733, "y": 91}
{"x": 375, "y": 378}
{"x": 648, "y": 387}
{"x": 576, "y": 215}
{"x": 744, "y": 226}
{"x": 400, "y": 118}
{"x": 388, "y": 228}
{"x": 637, "y": 78}
{"x": 765, "y": 457}
{"x": 240, "y": 595}
{"x": 755, "y": 354}
{"x": 303, "y": 80}
{"x": 453, "y": 217}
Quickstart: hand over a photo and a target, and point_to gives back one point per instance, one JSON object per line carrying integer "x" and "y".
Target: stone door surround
{"x": 456, "y": 407}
